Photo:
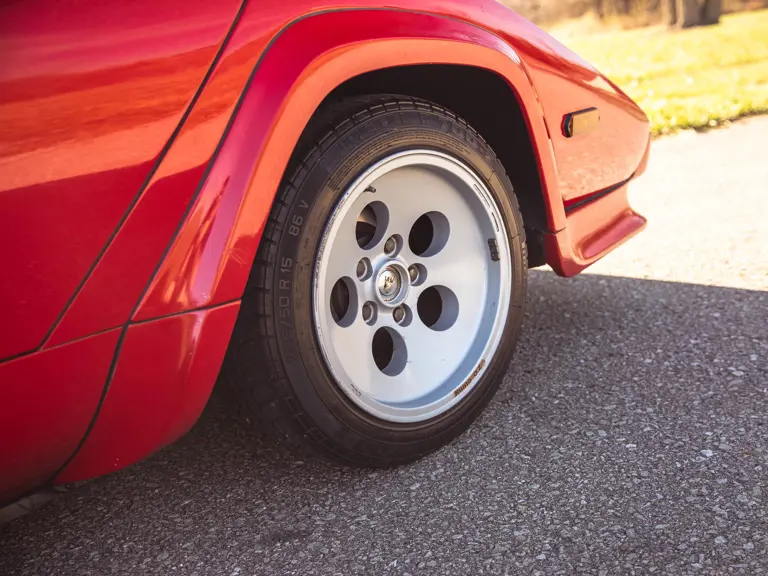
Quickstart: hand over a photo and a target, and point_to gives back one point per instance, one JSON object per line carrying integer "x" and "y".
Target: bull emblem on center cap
{"x": 388, "y": 283}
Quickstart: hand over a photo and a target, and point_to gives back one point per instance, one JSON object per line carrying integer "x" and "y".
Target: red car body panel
{"x": 90, "y": 93}
{"x": 48, "y": 401}
{"x": 162, "y": 381}
{"x": 147, "y": 235}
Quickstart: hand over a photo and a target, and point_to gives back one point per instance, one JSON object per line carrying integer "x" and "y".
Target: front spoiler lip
{"x": 585, "y": 200}
{"x": 595, "y": 226}
{"x": 594, "y": 196}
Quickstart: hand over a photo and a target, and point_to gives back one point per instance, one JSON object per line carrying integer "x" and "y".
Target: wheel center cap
{"x": 389, "y": 283}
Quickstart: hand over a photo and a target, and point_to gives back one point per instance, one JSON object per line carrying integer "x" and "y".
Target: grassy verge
{"x": 685, "y": 79}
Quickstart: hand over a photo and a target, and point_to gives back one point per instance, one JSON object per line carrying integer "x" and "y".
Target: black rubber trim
{"x": 595, "y": 196}
{"x": 212, "y": 161}
{"x": 142, "y": 188}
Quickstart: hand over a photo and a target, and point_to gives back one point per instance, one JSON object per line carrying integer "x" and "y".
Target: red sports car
{"x": 338, "y": 201}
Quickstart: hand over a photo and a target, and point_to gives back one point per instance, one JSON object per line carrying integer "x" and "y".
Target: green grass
{"x": 689, "y": 78}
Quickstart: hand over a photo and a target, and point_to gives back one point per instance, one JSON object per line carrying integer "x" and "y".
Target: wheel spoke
{"x": 342, "y": 257}
{"x": 463, "y": 265}
{"x": 410, "y": 193}
{"x": 351, "y": 345}
{"x": 344, "y": 265}
{"x": 436, "y": 356}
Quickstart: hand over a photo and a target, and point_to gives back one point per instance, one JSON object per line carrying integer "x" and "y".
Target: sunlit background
{"x": 689, "y": 64}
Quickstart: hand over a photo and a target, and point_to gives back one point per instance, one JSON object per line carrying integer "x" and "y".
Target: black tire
{"x": 274, "y": 359}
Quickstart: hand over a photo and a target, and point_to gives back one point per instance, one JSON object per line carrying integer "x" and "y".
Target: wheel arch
{"x": 308, "y": 62}
{"x": 487, "y": 102}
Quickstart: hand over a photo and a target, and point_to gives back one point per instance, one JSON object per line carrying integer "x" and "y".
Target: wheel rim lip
{"x": 387, "y": 411}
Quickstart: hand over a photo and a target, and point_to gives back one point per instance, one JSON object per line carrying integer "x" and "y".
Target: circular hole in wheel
{"x": 429, "y": 234}
{"x": 371, "y": 225}
{"x": 343, "y": 302}
{"x": 389, "y": 352}
{"x": 438, "y": 308}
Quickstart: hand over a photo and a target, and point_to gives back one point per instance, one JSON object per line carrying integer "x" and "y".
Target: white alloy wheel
{"x": 412, "y": 285}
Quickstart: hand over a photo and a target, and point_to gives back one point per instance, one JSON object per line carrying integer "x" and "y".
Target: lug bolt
{"x": 368, "y": 312}
{"x": 390, "y": 245}
{"x": 363, "y": 269}
{"x": 413, "y": 273}
{"x": 398, "y": 314}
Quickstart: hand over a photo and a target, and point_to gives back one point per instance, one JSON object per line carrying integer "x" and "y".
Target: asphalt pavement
{"x": 630, "y": 435}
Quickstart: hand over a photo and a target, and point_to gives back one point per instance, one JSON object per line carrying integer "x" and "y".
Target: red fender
{"x": 210, "y": 259}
